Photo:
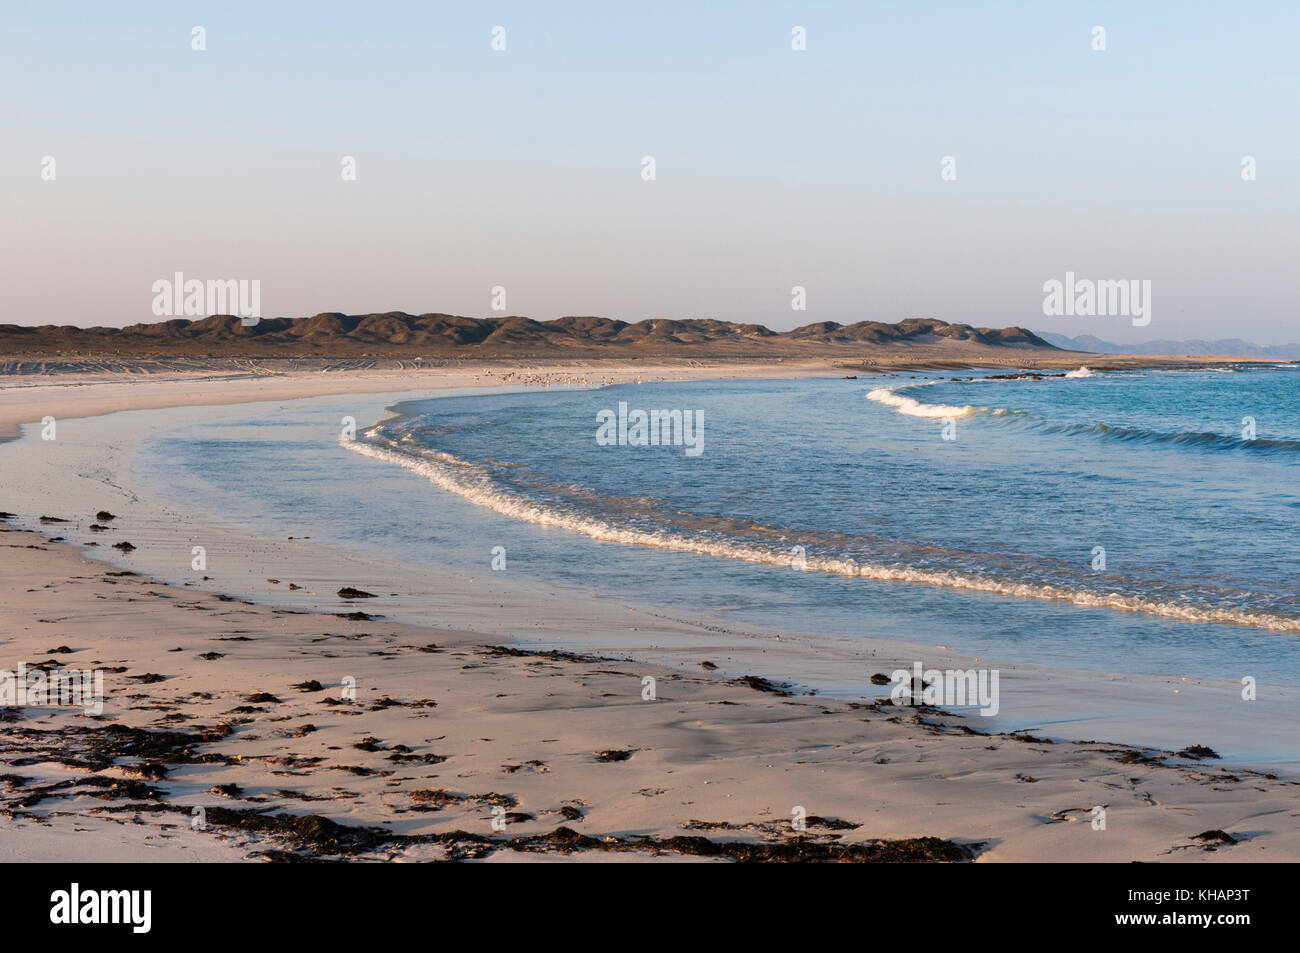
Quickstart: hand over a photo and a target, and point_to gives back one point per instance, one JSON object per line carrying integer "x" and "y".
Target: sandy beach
{"x": 257, "y": 723}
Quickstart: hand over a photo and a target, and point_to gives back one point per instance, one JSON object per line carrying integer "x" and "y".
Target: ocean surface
{"x": 1127, "y": 521}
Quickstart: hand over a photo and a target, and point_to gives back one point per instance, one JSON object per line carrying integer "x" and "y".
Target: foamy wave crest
{"x": 1192, "y": 440}
{"x": 915, "y": 408}
{"x": 475, "y": 484}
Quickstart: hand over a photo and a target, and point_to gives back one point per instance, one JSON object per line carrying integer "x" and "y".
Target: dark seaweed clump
{"x": 321, "y": 836}
{"x": 1215, "y": 837}
{"x": 507, "y": 651}
{"x": 760, "y": 684}
{"x": 100, "y": 747}
{"x": 347, "y": 592}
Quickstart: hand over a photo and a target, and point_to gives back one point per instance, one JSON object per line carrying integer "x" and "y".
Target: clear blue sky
{"x": 775, "y": 168}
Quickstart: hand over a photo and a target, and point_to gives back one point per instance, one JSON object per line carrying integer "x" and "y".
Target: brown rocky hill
{"x": 399, "y": 334}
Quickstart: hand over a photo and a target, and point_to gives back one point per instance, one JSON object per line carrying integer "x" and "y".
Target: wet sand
{"x": 241, "y": 710}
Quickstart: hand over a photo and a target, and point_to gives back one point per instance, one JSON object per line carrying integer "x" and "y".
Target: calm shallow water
{"x": 985, "y": 543}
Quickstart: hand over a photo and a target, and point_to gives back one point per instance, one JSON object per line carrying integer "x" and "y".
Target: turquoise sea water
{"x": 1122, "y": 521}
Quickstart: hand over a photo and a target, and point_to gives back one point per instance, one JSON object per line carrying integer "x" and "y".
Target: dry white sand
{"x": 28, "y": 398}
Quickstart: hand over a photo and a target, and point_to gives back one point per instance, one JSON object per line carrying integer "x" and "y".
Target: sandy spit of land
{"x": 32, "y": 388}
{"x": 89, "y": 389}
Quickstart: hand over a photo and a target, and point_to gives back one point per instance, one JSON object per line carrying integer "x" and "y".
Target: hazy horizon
{"x": 479, "y": 168}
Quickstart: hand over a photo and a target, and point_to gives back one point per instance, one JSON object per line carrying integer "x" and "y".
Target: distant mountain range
{"x": 399, "y": 334}
{"x": 1228, "y": 347}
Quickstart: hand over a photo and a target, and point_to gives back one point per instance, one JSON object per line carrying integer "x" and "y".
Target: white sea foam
{"x": 1081, "y": 372}
{"x": 473, "y": 483}
{"x": 915, "y": 408}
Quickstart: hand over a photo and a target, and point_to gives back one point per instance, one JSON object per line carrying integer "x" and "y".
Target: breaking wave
{"x": 1194, "y": 440}
{"x": 641, "y": 523}
{"x": 915, "y": 408}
